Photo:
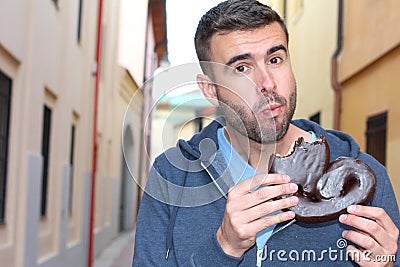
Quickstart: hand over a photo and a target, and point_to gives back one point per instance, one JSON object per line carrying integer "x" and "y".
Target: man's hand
{"x": 246, "y": 213}
{"x": 375, "y": 234}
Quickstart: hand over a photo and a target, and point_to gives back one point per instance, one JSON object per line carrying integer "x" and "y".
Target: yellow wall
{"x": 312, "y": 29}
{"x": 276, "y": 5}
{"x": 372, "y": 91}
{"x": 369, "y": 73}
{"x": 370, "y": 30}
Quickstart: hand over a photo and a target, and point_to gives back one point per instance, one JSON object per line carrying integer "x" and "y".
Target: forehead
{"x": 225, "y": 46}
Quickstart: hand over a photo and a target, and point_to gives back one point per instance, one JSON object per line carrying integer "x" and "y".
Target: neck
{"x": 292, "y": 134}
{"x": 258, "y": 155}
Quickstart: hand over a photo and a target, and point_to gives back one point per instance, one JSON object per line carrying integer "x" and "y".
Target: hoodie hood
{"x": 340, "y": 144}
{"x": 204, "y": 144}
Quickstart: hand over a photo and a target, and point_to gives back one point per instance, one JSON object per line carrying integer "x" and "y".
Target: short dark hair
{"x": 229, "y": 16}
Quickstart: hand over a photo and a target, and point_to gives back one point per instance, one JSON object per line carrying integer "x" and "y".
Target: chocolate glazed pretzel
{"x": 325, "y": 189}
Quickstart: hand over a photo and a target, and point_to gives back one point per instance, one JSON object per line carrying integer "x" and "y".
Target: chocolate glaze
{"x": 325, "y": 189}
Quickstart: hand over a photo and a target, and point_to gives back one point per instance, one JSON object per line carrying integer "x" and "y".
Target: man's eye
{"x": 241, "y": 69}
{"x": 275, "y": 60}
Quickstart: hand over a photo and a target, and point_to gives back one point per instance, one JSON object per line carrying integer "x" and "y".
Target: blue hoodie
{"x": 177, "y": 227}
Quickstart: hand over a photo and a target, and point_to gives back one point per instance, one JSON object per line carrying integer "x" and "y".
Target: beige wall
{"x": 8, "y": 239}
{"x": 47, "y": 67}
{"x": 40, "y": 53}
{"x": 130, "y": 106}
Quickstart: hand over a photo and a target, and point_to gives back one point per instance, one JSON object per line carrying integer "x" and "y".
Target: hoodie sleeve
{"x": 150, "y": 242}
{"x": 389, "y": 204}
{"x": 151, "y": 225}
{"x": 151, "y": 236}
{"x": 211, "y": 254}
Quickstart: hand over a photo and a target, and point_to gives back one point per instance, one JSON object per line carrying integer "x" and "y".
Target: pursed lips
{"x": 272, "y": 110}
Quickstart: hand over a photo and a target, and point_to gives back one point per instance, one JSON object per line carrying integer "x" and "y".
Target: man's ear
{"x": 208, "y": 88}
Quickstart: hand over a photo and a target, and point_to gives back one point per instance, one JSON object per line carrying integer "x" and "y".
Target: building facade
{"x": 67, "y": 78}
{"x": 368, "y": 77}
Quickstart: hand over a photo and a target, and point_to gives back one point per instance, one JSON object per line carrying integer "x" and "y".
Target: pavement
{"x": 119, "y": 253}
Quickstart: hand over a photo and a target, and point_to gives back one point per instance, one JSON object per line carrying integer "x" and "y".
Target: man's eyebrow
{"x": 276, "y": 48}
{"x": 248, "y": 55}
{"x": 237, "y": 58}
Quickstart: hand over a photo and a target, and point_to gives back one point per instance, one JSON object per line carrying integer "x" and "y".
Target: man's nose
{"x": 264, "y": 80}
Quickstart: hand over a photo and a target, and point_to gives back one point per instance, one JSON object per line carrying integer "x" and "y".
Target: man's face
{"x": 264, "y": 107}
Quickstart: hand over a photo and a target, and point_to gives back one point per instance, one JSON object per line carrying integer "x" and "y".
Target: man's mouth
{"x": 272, "y": 110}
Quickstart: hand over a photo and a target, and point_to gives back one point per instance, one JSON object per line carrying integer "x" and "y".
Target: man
{"x": 239, "y": 220}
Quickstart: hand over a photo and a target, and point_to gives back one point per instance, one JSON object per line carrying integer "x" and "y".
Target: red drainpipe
{"x": 94, "y": 155}
{"x": 336, "y": 85}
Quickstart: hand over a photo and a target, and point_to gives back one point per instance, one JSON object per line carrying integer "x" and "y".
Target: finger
{"x": 266, "y": 194}
{"x": 361, "y": 257}
{"x": 373, "y": 231}
{"x": 269, "y": 207}
{"x": 365, "y": 242}
{"x": 243, "y": 187}
{"x": 261, "y": 180}
{"x": 370, "y": 235}
{"x": 381, "y": 218}
{"x": 362, "y": 232}
{"x": 377, "y": 214}
{"x": 267, "y": 221}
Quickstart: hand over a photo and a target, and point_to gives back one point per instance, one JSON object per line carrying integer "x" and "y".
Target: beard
{"x": 244, "y": 119}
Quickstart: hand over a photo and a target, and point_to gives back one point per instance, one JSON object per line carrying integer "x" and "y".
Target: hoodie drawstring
{"x": 174, "y": 211}
{"x": 172, "y": 218}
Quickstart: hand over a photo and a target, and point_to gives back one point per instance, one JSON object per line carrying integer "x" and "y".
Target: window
{"x": 46, "y": 155}
{"x": 316, "y": 118}
{"x": 5, "y": 107}
{"x": 71, "y": 163}
{"x": 79, "y": 21}
{"x": 376, "y": 137}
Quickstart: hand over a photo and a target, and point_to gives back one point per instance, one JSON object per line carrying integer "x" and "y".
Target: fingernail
{"x": 294, "y": 200}
{"x": 293, "y": 187}
{"x": 344, "y": 233}
{"x": 285, "y": 178}
{"x": 290, "y": 215}
{"x": 343, "y": 217}
{"x": 351, "y": 208}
